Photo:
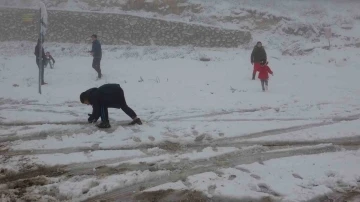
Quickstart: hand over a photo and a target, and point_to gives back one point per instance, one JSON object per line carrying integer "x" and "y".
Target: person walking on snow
{"x": 258, "y": 54}
{"x": 263, "y": 70}
{"x": 38, "y": 59}
{"x": 104, "y": 97}
{"x": 96, "y": 52}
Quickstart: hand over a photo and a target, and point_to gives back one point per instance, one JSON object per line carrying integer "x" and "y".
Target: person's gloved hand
{"x": 91, "y": 119}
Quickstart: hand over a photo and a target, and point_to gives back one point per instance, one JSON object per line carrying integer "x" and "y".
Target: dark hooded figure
{"x": 104, "y": 97}
{"x": 96, "y": 52}
{"x": 38, "y": 59}
{"x": 258, "y": 54}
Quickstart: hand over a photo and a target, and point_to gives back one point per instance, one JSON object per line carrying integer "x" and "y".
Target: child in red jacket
{"x": 263, "y": 70}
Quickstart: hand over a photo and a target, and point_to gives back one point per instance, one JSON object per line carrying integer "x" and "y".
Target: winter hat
{"x": 83, "y": 96}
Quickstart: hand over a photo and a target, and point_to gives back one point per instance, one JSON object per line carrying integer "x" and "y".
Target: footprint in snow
{"x": 195, "y": 132}
{"x": 255, "y": 176}
{"x": 211, "y": 189}
{"x": 215, "y": 149}
{"x": 221, "y": 134}
{"x": 330, "y": 174}
{"x": 297, "y": 176}
{"x": 219, "y": 173}
{"x": 151, "y": 138}
{"x": 231, "y": 177}
{"x": 186, "y": 183}
{"x": 200, "y": 138}
{"x": 95, "y": 146}
{"x": 266, "y": 189}
{"x": 243, "y": 169}
{"x": 135, "y": 130}
{"x": 136, "y": 139}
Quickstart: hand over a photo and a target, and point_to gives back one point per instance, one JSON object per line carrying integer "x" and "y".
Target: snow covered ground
{"x": 207, "y": 126}
{"x": 209, "y": 133}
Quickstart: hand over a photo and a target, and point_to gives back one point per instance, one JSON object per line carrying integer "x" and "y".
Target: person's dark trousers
{"x": 48, "y": 62}
{"x": 125, "y": 107}
{"x": 263, "y": 84}
{"x": 42, "y": 68}
{"x": 96, "y": 66}
{"x": 104, "y": 114}
{"x": 255, "y": 69}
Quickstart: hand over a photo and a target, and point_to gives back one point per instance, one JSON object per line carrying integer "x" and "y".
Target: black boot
{"x": 104, "y": 125}
{"x": 136, "y": 121}
{"x": 253, "y": 76}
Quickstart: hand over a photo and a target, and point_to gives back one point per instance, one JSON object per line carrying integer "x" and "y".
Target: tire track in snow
{"x": 206, "y": 115}
{"x": 223, "y": 142}
{"x": 43, "y": 135}
{"x": 127, "y": 193}
{"x": 214, "y": 164}
{"x": 39, "y": 135}
{"x": 237, "y": 139}
{"x": 87, "y": 168}
{"x": 23, "y": 123}
{"x": 347, "y": 142}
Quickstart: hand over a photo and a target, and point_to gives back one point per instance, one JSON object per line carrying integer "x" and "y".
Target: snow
{"x": 58, "y": 159}
{"x": 205, "y": 154}
{"x": 288, "y": 178}
{"x": 224, "y": 104}
{"x": 281, "y": 16}
{"x": 122, "y": 137}
{"x": 193, "y": 112}
{"x": 339, "y": 130}
{"x": 73, "y": 189}
{"x": 196, "y": 114}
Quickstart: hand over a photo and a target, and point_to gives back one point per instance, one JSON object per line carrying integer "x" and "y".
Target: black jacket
{"x": 96, "y": 49}
{"x": 108, "y": 96}
{"x": 37, "y": 52}
{"x": 258, "y": 54}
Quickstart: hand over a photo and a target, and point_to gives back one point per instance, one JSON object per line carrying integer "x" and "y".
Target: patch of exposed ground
{"x": 26, "y": 174}
{"x": 172, "y": 195}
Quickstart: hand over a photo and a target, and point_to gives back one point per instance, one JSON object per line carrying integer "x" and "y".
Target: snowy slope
{"x": 209, "y": 131}
{"x": 292, "y": 26}
{"x": 198, "y": 117}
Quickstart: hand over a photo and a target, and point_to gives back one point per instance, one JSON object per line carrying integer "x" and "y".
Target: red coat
{"x": 264, "y": 72}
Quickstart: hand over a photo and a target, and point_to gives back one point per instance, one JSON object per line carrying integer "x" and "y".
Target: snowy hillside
{"x": 293, "y": 26}
{"x": 210, "y": 133}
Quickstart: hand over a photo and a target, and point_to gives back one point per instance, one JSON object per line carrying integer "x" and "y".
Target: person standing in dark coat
{"x": 104, "y": 97}
{"x": 43, "y": 59}
{"x": 258, "y": 54}
{"x": 96, "y": 52}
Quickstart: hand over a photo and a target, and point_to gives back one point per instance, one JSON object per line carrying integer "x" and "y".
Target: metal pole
{"x": 40, "y": 52}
